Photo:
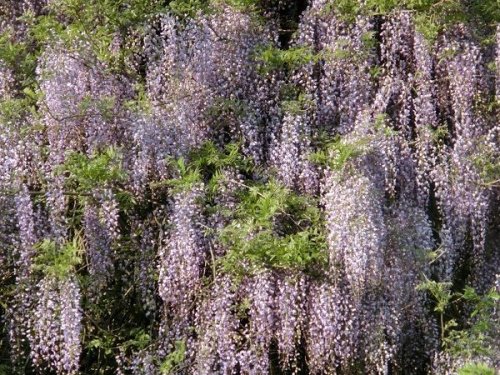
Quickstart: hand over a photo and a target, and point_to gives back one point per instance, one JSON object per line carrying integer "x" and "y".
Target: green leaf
{"x": 59, "y": 260}
{"x": 85, "y": 173}
{"x": 476, "y": 369}
{"x": 174, "y": 358}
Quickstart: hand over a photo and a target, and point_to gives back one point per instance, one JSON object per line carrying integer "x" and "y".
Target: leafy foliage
{"x": 274, "y": 58}
{"x": 96, "y": 22}
{"x": 174, "y": 359}
{"x": 336, "y": 153}
{"x": 57, "y": 260}
{"x": 189, "y": 8}
{"x": 97, "y": 171}
{"x": 432, "y": 16}
{"x": 273, "y": 227}
{"x": 474, "y": 340}
{"x": 206, "y": 164}
{"x": 476, "y": 369}
{"x": 19, "y": 56}
{"x": 487, "y": 161}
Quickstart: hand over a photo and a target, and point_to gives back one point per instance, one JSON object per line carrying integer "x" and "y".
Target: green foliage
{"x": 118, "y": 13}
{"x": 5, "y": 369}
{"x": 476, "y": 369}
{"x": 474, "y": 338}
{"x": 243, "y": 5}
{"x": 427, "y": 27}
{"x": 42, "y": 30}
{"x": 73, "y": 23}
{"x": 290, "y": 91}
{"x": 21, "y": 59}
{"x": 209, "y": 158}
{"x": 369, "y": 40}
{"x": 243, "y": 307}
{"x": 189, "y": 8}
{"x": 346, "y": 9}
{"x": 19, "y": 56}
{"x": 224, "y": 112}
{"x": 187, "y": 177}
{"x": 139, "y": 340}
{"x": 13, "y": 109}
{"x": 104, "y": 343}
{"x": 382, "y": 126}
{"x": 434, "y": 255}
{"x": 294, "y": 100}
{"x": 273, "y": 227}
{"x": 95, "y": 22}
{"x": 297, "y": 106}
{"x": 431, "y": 16}
{"x": 440, "y": 291}
{"x": 103, "y": 106}
{"x": 225, "y": 106}
{"x": 439, "y": 134}
{"x": 484, "y": 11}
{"x": 272, "y": 58}
{"x": 12, "y": 52}
{"x": 141, "y": 103}
{"x": 171, "y": 363}
{"x": 342, "y": 49}
{"x": 85, "y": 173}
{"x": 56, "y": 260}
{"x": 442, "y": 295}
{"x": 487, "y": 163}
{"x": 336, "y": 153}
{"x": 206, "y": 165}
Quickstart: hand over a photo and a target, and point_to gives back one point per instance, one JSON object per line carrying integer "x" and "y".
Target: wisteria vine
{"x": 233, "y": 187}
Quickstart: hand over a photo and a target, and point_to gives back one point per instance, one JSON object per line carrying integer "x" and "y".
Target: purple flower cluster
{"x": 56, "y": 326}
{"x": 182, "y": 255}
